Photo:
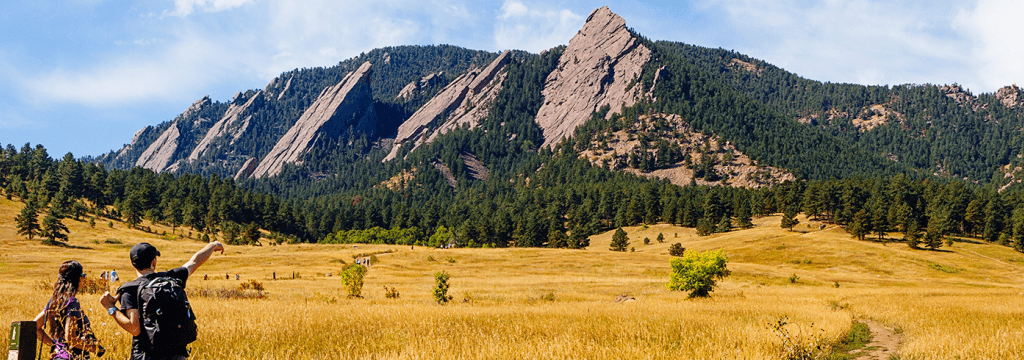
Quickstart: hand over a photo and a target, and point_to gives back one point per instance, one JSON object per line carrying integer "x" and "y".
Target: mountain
{"x": 431, "y": 144}
{"x": 212, "y": 137}
{"x": 662, "y": 109}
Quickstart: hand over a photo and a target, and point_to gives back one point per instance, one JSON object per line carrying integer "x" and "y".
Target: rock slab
{"x": 601, "y": 66}
{"x": 465, "y": 101}
{"x": 346, "y": 104}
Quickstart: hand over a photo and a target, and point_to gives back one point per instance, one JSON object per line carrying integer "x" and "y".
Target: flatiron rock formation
{"x": 601, "y": 66}
{"x": 466, "y": 100}
{"x": 231, "y": 124}
{"x": 349, "y": 103}
{"x": 159, "y": 155}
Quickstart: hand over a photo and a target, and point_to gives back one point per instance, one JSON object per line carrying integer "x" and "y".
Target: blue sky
{"x": 84, "y": 75}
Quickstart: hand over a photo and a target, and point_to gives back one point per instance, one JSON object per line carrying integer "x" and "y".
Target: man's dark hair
{"x": 142, "y": 255}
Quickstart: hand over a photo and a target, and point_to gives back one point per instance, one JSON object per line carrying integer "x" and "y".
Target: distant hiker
{"x": 227, "y": 277}
{"x": 162, "y": 333}
{"x": 62, "y": 325}
{"x": 103, "y": 275}
{"x": 206, "y": 277}
{"x": 236, "y": 276}
{"x": 113, "y": 275}
{"x": 275, "y": 275}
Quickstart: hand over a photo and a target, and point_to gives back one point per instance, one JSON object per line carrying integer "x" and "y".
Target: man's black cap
{"x": 142, "y": 255}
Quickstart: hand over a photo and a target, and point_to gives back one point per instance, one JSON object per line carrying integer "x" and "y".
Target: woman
{"x": 62, "y": 324}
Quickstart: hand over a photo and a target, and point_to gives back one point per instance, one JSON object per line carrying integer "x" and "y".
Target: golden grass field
{"x": 965, "y": 302}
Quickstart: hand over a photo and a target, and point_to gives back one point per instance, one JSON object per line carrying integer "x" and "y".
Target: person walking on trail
{"x": 134, "y": 315}
{"x": 63, "y": 325}
{"x": 113, "y": 275}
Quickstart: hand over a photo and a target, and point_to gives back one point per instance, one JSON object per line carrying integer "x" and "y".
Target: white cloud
{"x": 997, "y": 49}
{"x": 519, "y": 26}
{"x": 860, "y": 41}
{"x": 188, "y": 7}
{"x": 192, "y": 56}
{"x": 181, "y": 69}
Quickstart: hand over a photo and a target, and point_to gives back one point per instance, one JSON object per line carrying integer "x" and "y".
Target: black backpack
{"x": 166, "y": 316}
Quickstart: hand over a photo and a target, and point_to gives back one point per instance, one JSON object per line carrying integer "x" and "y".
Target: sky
{"x": 82, "y": 76}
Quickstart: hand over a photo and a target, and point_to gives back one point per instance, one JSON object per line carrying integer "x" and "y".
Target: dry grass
{"x": 503, "y": 306}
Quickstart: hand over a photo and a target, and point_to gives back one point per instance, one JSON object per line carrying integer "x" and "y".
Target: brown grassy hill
{"x": 551, "y": 303}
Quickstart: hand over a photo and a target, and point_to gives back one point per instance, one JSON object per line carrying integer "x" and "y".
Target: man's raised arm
{"x": 200, "y": 257}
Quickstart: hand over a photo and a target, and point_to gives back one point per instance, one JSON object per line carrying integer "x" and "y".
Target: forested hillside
{"x": 937, "y": 129}
{"x": 922, "y": 160}
{"x": 270, "y": 112}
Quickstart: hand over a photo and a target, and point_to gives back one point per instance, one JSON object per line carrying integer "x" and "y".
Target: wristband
{"x": 111, "y": 310}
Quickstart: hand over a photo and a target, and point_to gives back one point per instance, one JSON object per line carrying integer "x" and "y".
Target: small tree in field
{"x": 53, "y": 229}
{"x": 28, "y": 221}
{"x": 619, "y": 241}
{"x": 676, "y": 249}
{"x": 697, "y": 272}
{"x": 441, "y": 288}
{"x": 661, "y": 238}
{"x": 789, "y": 220}
{"x": 352, "y": 277}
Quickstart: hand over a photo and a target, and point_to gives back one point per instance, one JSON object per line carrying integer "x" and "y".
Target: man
{"x": 143, "y": 257}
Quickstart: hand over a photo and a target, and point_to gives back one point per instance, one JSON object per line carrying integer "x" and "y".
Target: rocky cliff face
{"x": 601, "y": 66}
{"x": 231, "y": 126}
{"x": 346, "y": 104}
{"x": 159, "y": 156}
{"x": 1010, "y": 96}
{"x": 466, "y": 100}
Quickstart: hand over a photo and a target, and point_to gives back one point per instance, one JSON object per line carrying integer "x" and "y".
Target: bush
{"x": 661, "y": 238}
{"x": 619, "y": 241}
{"x": 390, "y": 292}
{"x": 352, "y": 276}
{"x": 647, "y": 241}
{"x": 676, "y": 249}
{"x": 697, "y": 272}
{"x": 441, "y": 287}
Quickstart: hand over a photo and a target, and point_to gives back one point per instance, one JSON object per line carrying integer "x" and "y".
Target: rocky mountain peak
{"x": 599, "y": 67}
{"x": 348, "y": 104}
{"x": 466, "y": 100}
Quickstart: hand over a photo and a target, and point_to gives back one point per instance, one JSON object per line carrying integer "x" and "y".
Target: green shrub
{"x": 676, "y": 249}
{"x": 697, "y": 272}
{"x": 352, "y": 277}
{"x": 441, "y": 288}
{"x": 390, "y": 292}
{"x": 620, "y": 241}
{"x": 647, "y": 241}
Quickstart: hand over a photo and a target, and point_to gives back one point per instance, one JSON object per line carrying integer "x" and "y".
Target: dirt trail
{"x": 883, "y": 345}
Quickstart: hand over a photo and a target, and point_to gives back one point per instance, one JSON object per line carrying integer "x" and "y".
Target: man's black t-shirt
{"x": 129, "y": 294}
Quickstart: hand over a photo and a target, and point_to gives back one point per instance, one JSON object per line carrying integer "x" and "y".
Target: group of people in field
{"x": 139, "y": 307}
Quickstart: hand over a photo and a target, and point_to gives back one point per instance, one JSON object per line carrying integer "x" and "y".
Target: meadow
{"x": 961, "y": 302}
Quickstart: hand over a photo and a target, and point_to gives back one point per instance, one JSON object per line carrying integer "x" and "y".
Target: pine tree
{"x": 743, "y": 220}
{"x": 724, "y": 225}
{"x": 53, "y": 229}
{"x": 789, "y": 219}
{"x": 620, "y": 241}
{"x": 28, "y": 221}
{"x": 860, "y": 225}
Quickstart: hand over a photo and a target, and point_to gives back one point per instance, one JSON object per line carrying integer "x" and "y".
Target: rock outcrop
{"x": 346, "y": 104}
{"x": 247, "y": 169}
{"x": 409, "y": 91}
{"x": 466, "y": 101}
{"x": 230, "y": 125}
{"x": 160, "y": 154}
{"x": 601, "y": 66}
{"x": 1010, "y": 96}
{"x": 728, "y": 166}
